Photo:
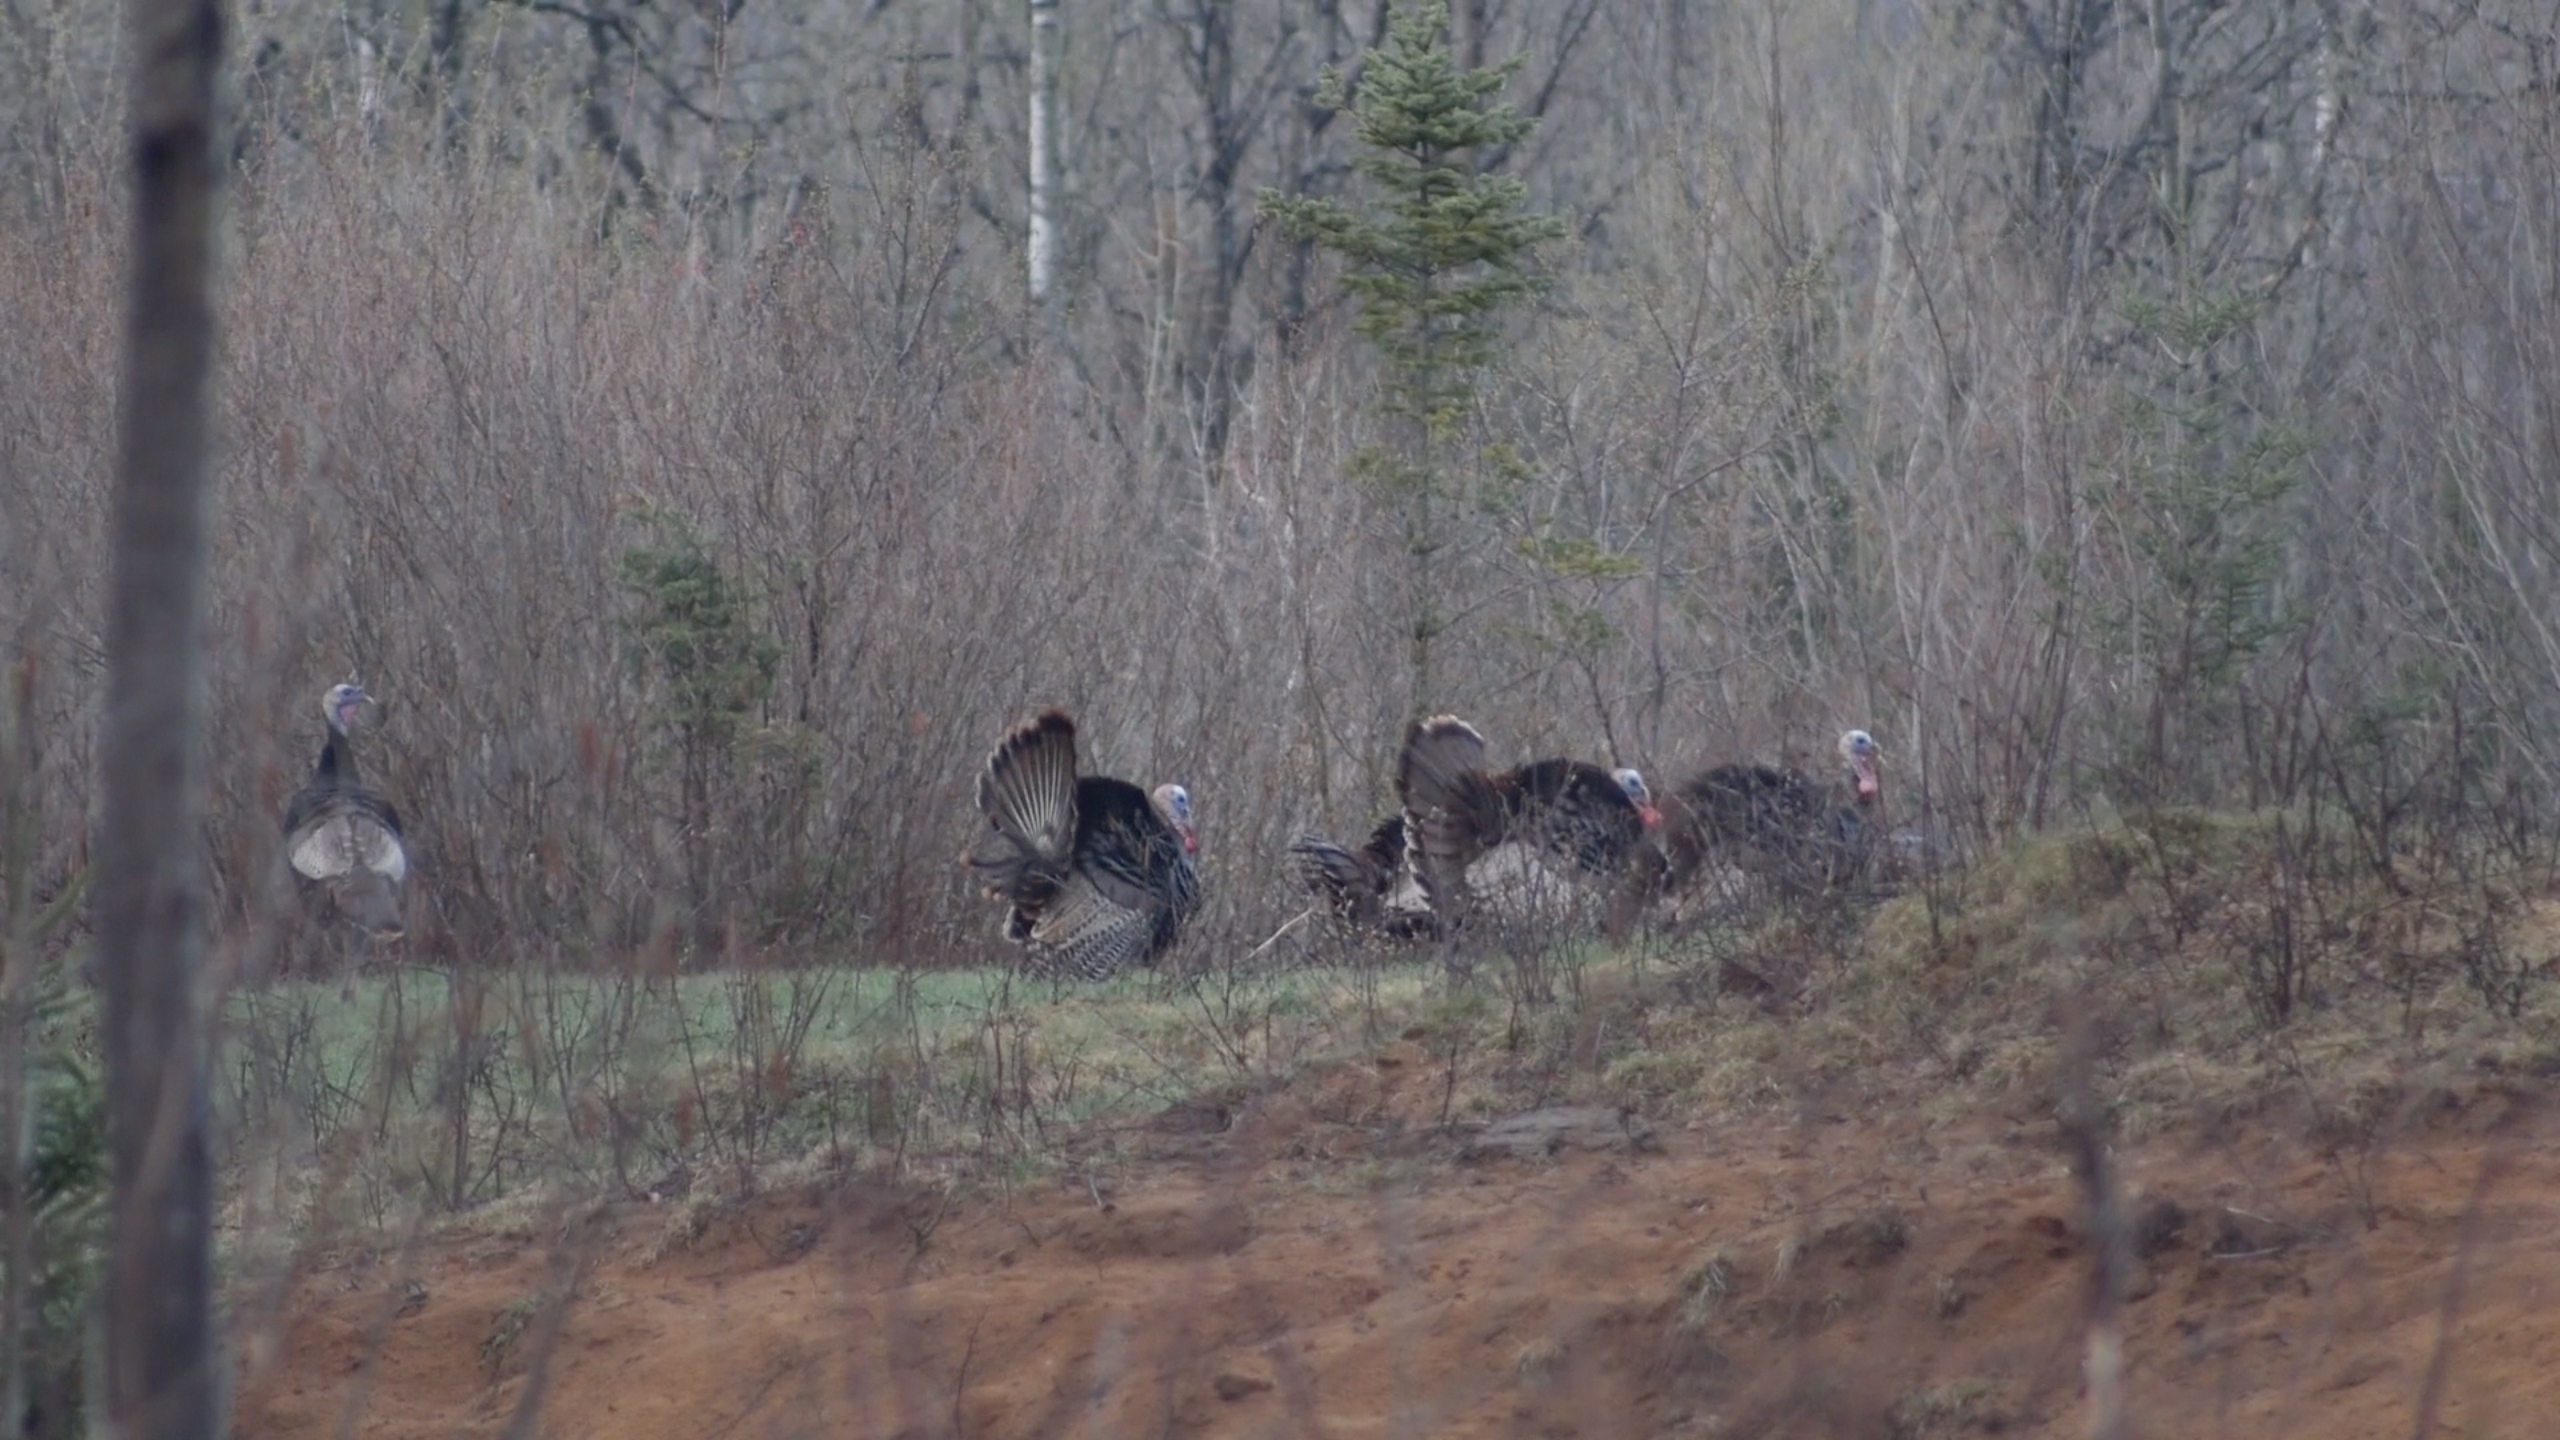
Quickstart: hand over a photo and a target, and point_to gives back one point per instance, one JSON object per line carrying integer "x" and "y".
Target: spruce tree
{"x": 1435, "y": 257}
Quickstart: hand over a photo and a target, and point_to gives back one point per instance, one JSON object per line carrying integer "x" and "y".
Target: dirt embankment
{"x": 1303, "y": 1272}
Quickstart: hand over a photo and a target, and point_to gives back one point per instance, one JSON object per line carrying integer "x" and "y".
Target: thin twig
{"x": 1301, "y": 919}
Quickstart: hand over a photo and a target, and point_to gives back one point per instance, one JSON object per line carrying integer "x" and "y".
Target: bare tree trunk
{"x": 161, "y": 1380}
{"x": 448, "y": 32}
{"x": 1043, "y": 244}
{"x": 1213, "y": 365}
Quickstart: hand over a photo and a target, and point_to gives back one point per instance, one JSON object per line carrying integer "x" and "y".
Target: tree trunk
{"x": 1214, "y": 365}
{"x": 161, "y": 1381}
{"x": 448, "y": 32}
{"x": 1043, "y": 246}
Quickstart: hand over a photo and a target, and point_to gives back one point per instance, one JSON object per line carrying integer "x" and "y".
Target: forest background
{"x": 2107, "y": 405}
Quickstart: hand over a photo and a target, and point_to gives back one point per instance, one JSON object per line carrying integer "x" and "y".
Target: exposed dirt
{"x": 1326, "y": 1266}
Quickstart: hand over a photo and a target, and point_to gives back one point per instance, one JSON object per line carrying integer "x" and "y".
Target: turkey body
{"x": 1095, "y": 873}
{"x": 1532, "y": 841}
{"x": 1807, "y": 834}
{"x": 343, "y": 840}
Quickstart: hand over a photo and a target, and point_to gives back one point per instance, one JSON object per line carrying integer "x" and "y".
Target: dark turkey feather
{"x": 1096, "y": 872}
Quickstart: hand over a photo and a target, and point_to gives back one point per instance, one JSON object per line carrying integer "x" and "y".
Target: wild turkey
{"x": 1522, "y": 840}
{"x": 1097, "y": 872}
{"x": 1807, "y": 834}
{"x": 342, "y": 840}
{"x": 1371, "y": 889}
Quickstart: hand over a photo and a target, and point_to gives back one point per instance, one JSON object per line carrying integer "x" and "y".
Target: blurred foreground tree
{"x": 162, "y": 1381}
{"x": 1433, "y": 268}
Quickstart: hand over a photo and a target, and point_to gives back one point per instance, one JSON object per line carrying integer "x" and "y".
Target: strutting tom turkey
{"x": 1805, "y": 833}
{"x": 1095, "y": 873}
{"x": 1532, "y": 840}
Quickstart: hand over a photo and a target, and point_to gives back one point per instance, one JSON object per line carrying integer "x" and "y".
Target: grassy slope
{"x": 360, "y": 1108}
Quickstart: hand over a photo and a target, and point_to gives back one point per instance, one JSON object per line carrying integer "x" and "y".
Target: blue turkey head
{"x": 339, "y": 705}
{"x": 1632, "y": 781}
{"x": 1174, "y": 803}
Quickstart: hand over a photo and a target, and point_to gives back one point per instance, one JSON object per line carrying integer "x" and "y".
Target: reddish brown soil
{"x": 1302, "y": 1274}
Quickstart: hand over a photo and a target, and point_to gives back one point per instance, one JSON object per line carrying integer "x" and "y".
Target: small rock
{"x": 1232, "y": 1387}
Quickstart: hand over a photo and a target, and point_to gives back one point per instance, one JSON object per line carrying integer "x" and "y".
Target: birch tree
{"x": 1042, "y": 246}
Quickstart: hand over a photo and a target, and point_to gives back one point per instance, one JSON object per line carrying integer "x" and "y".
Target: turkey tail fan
{"x": 1452, "y": 813}
{"x": 1028, "y": 790}
{"x": 1442, "y": 767}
